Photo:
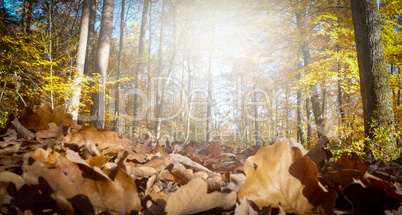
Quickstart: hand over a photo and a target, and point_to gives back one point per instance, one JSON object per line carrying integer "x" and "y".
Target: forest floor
{"x": 49, "y": 164}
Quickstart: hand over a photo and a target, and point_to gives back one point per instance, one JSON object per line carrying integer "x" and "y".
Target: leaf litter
{"x": 51, "y": 165}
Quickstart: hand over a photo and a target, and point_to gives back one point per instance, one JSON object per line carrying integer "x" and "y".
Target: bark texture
{"x": 375, "y": 90}
{"x": 80, "y": 61}
{"x": 101, "y": 63}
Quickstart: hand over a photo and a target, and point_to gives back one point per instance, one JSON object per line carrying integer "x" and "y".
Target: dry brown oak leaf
{"x": 193, "y": 198}
{"x": 39, "y": 120}
{"x": 269, "y": 182}
{"x": 118, "y": 196}
{"x": 103, "y": 138}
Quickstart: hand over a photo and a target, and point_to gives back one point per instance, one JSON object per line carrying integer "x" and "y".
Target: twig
{"x": 22, "y": 131}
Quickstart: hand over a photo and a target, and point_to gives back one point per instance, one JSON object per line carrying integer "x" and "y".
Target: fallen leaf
{"x": 13, "y": 178}
{"x": 342, "y": 178}
{"x": 53, "y": 131}
{"x": 306, "y": 171}
{"x": 70, "y": 180}
{"x": 269, "y": 182}
{"x": 22, "y": 131}
{"x": 316, "y": 154}
{"x": 236, "y": 182}
{"x": 39, "y": 120}
{"x": 156, "y": 204}
{"x": 183, "y": 162}
{"x": 214, "y": 149}
{"x": 193, "y": 198}
{"x": 351, "y": 161}
{"x": 245, "y": 208}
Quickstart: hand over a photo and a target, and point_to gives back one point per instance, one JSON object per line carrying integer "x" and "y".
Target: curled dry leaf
{"x": 183, "y": 176}
{"x": 235, "y": 182}
{"x": 183, "y": 162}
{"x": 38, "y": 120}
{"x": 193, "y": 198}
{"x": 341, "y": 178}
{"x": 316, "y": 154}
{"x": 351, "y": 161}
{"x": 10, "y": 149}
{"x": 156, "y": 204}
{"x": 214, "y": 149}
{"x": 269, "y": 182}
{"x": 140, "y": 171}
{"x": 102, "y": 137}
{"x": 245, "y": 208}
{"x": 13, "y": 178}
{"x": 119, "y": 196}
{"x": 306, "y": 171}
{"x": 22, "y": 131}
{"x": 53, "y": 131}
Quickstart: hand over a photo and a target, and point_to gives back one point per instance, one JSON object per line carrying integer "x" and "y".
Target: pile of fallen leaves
{"x": 49, "y": 164}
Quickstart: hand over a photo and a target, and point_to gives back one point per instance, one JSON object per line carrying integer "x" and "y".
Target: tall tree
{"x": 256, "y": 116}
{"x": 80, "y": 61}
{"x": 374, "y": 84}
{"x": 167, "y": 81}
{"x": 209, "y": 99}
{"x": 101, "y": 63}
{"x": 117, "y": 122}
{"x": 90, "y": 53}
{"x": 140, "y": 63}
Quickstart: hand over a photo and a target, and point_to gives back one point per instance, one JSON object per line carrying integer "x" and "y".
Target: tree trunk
{"x": 90, "y": 53}
{"x": 140, "y": 63}
{"x": 149, "y": 61}
{"x": 317, "y": 112}
{"x": 160, "y": 50}
{"x": 102, "y": 61}
{"x": 80, "y": 61}
{"x": 256, "y": 125}
{"x": 118, "y": 122}
{"x": 299, "y": 109}
{"x": 209, "y": 100}
{"x": 374, "y": 84}
{"x": 50, "y": 23}
{"x": 189, "y": 96}
{"x": 166, "y": 83}
{"x": 309, "y": 129}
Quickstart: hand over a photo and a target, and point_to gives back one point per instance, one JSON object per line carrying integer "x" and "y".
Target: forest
{"x": 164, "y": 104}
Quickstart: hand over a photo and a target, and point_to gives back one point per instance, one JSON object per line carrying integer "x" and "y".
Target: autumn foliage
{"x": 49, "y": 164}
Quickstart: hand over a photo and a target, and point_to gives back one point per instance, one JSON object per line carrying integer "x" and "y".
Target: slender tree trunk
{"x": 149, "y": 60}
{"x": 80, "y": 61}
{"x": 256, "y": 125}
{"x": 318, "y": 118}
{"x": 117, "y": 122}
{"x": 288, "y": 132}
{"x": 50, "y": 51}
{"x": 189, "y": 96}
{"x": 299, "y": 110}
{"x": 140, "y": 64}
{"x": 209, "y": 100}
{"x": 374, "y": 84}
{"x": 340, "y": 97}
{"x": 166, "y": 83}
{"x": 160, "y": 50}
{"x": 89, "y": 54}
{"x": 309, "y": 128}
{"x": 102, "y": 61}
{"x": 300, "y": 130}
